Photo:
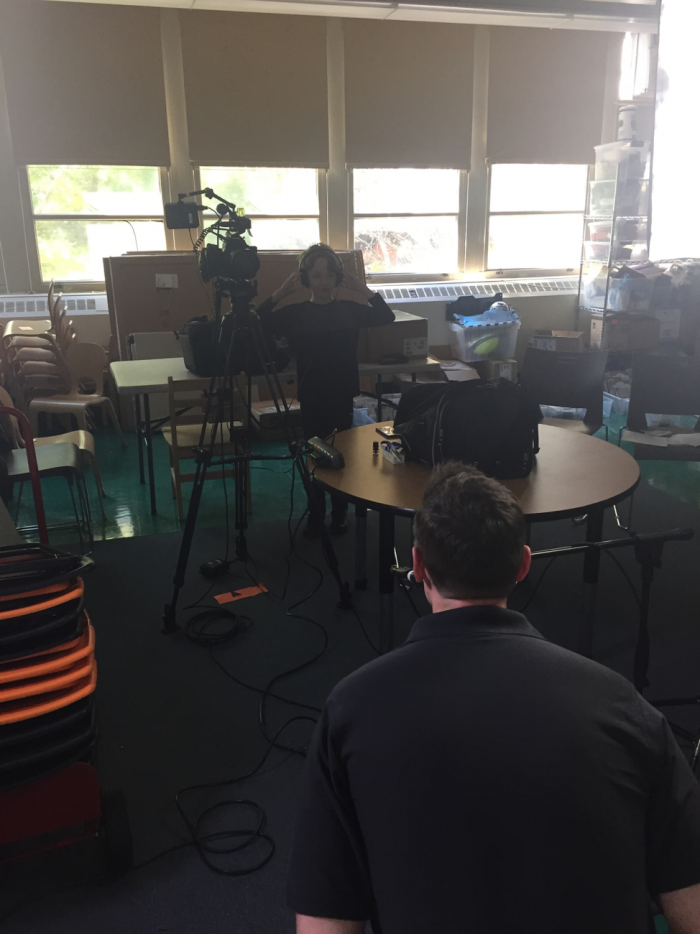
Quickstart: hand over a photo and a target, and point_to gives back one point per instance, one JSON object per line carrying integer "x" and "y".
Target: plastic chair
{"x": 26, "y": 327}
{"x": 570, "y": 380}
{"x": 84, "y": 362}
{"x": 62, "y": 459}
{"x": 83, "y": 440}
{"x": 186, "y": 406}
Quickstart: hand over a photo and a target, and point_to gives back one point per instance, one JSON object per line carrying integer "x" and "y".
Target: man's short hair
{"x": 470, "y": 532}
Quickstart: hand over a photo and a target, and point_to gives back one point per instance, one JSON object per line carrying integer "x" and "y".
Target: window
{"x": 536, "y": 216}
{"x": 282, "y": 203}
{"x": 676, "y": 195}
{"x": 406, "y": 219}
{"x": 82, "y": 213}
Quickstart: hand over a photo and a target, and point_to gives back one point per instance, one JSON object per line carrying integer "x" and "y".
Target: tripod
{"x": 246, "y": 327}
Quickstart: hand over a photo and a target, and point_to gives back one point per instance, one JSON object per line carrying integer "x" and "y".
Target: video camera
{"x": 233, "y": 258}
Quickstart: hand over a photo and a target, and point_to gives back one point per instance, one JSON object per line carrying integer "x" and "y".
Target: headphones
{"x": 309, "y": 257}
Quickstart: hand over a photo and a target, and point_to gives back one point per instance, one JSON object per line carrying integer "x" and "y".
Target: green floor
{"x": 128, "y": 502}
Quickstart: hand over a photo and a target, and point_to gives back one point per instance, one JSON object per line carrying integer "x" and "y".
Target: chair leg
{"x": 178, "y": 492}
{"x": 115, "y": 421}
{"x": 78, "y": 521}
{"x": 19, "y": 502}
{"x": 628, "y": 527}
{"x": 98, "y": 482}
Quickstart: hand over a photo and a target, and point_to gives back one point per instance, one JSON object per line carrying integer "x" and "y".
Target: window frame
{"x": 32, "y": 240}
{"x": 459, "y": 215}
{"x": 526, "y": 272}
{"x": 208, "y": 217}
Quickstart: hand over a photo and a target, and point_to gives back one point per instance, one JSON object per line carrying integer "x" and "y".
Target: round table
{"x": 574, "y": 474}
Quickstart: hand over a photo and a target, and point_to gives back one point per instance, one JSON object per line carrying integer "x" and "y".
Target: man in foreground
{"x": 481, "y": 780}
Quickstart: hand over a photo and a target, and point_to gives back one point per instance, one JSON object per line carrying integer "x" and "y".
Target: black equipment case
{"x": 491, "y": 424}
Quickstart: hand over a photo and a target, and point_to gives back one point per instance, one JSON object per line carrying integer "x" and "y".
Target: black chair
{"x": 663, "y": 386}
{"x": 570, "y": 380}
{"x": 56, "y": 460}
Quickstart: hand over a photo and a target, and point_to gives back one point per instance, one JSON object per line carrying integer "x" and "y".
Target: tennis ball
{"x": 484, "y": 345}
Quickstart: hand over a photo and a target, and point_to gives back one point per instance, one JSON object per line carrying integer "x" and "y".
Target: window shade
{"x": 256, "y": 88}
{"x": 84, "y": 83}
{"x": 408, "y": 93}
{"x": 546, "y": 94}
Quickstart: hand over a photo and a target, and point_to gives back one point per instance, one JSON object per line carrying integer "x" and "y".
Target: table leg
{"x": 378, "y": 388}
{"x": 386, "y": 580}
{"x": 149, "y": 451}
{"x": 360, "y": 547}
{"x": 591, "y": 566}
{"x": 138, "y": 423}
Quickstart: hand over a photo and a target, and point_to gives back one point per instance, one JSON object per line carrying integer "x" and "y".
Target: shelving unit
{"x": 616, "y": 230}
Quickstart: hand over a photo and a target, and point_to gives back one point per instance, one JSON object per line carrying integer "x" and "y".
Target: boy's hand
{"x": 292, "y": 284}
{"x": 351, "y": 282}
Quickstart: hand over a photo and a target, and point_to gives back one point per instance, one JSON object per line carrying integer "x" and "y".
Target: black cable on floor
{"x": 212, "y": 844}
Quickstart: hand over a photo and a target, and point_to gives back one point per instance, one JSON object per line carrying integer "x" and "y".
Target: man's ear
{"x": 419, "y": 572}
{"x": 524, "y": 564}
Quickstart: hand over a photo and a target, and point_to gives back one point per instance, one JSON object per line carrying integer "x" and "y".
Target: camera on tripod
{"x": 231, "y": 264}
{"x": 232, "y": 258}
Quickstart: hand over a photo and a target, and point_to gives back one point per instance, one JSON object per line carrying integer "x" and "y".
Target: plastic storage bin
{"x": 628, "y": 294}
{"x": 629, "y": 156}
{"x": 471, "y": 344}
{"x": 630, "y": 197}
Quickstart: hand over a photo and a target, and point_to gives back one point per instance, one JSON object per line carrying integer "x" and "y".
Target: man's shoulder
{"x": 555, "y": 670}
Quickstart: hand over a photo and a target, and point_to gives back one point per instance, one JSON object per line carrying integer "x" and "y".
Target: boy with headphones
{"x": 323, "y": 333}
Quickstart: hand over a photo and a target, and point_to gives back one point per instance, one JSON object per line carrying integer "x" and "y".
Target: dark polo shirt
{"x": 481, "y": 780}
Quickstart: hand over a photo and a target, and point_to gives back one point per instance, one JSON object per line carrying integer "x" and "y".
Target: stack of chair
{"x": 47, "y": 664}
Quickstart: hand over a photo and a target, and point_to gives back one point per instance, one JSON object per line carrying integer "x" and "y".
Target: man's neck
{"x": 439, "y": 603}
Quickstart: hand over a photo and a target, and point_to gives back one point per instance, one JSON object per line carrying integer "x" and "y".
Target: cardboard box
{"x": 669, "y": 323}
{"x": 497, "y": 369}
{"x": 266, "y": 420}
{"x": 624, "y": 332}
{"x": 153, "y": 292}
{"x": 406, "y": 337}
{"x": 454, "y": 370}
{"x": 561, "y": 341}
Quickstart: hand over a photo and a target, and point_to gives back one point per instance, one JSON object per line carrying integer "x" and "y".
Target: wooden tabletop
{"x": 573, "y": 474}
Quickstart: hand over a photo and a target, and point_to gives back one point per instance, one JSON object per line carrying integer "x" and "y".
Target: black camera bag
{"x": 491, "y": 424}
{"x": 205, "y": 354}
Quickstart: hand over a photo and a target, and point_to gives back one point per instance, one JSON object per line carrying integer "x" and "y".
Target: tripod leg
{"x": 169, "y": 620}
{"x": 360, "y": 547}
{"x": 241, "y": 505}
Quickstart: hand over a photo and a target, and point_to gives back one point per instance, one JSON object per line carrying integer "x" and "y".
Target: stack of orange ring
{"x": 47, "y": 675}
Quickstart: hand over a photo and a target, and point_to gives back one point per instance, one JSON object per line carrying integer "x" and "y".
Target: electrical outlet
{"x": 415, "y": 347}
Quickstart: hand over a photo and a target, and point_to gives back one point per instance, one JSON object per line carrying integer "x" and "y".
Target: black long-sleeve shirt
{"x": 324, "y": 341}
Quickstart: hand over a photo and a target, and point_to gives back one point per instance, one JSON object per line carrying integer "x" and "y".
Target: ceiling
{"x": 612, "y": 15}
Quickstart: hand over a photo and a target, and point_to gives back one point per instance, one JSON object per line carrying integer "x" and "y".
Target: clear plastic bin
{"x": 470, "y": 344}
{"x": 596, "y": 250}
{"x": 630, "y": 156}
{"x": 628, "y": 294}
{"x": 630, "y": 197}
